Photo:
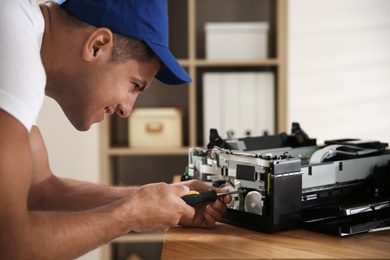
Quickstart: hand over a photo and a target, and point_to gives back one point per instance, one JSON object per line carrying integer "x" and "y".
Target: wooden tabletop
{"x": 230, "y": 242}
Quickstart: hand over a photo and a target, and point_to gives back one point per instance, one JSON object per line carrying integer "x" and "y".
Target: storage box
{"x": 237, "y": 41}
{"x": 151, "y": 127}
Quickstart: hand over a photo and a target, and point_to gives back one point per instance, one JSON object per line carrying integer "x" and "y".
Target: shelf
{"x": 140, "y": 238}
{"x": 131, "y": 151}
{"x": 229, "y": 63}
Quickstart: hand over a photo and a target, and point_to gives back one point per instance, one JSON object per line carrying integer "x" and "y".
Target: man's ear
{"x": 98, "y": 44}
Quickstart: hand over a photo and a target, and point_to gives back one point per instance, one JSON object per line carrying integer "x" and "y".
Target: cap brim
{"x": 171, "y": 72}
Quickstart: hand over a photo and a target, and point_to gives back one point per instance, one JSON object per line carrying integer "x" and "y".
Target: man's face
{"x": 88, "y": 93}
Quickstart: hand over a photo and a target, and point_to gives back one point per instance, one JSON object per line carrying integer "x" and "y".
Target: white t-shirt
{"x": 22, "y": 76}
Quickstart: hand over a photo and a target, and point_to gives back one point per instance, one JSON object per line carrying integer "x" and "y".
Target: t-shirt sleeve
{"x": 22, "y": 76}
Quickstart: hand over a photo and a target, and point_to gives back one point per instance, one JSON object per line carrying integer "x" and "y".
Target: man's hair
{"x": 124, "y": 49}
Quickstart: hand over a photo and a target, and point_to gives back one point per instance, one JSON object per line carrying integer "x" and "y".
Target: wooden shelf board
{"x": 229, "y": 63}
{"x": 140, "y": 238}
{"x": 147, "y": 151}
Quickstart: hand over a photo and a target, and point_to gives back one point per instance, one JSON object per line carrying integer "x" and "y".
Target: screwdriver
{"x": 195, "y": 197}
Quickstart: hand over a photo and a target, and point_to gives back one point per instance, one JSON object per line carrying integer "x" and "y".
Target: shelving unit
{"x": 121, "y": 164}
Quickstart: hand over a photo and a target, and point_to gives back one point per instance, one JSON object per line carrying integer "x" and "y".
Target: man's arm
{"x": 32, "y": 234}
{"x": 55, "y": 193}
{"x": 49, "y": 192}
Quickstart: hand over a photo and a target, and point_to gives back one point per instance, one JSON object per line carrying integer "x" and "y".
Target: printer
{"x": 341, "y": 187}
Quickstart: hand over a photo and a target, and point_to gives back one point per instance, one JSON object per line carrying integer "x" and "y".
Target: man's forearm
{"x": 67, "y": 235}
{"x": 64, "y": 194}
{"x": 63, "y": 235}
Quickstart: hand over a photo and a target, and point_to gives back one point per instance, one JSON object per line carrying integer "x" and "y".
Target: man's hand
{"x": 206, "y": 214}
{"x": 158, "y": 206}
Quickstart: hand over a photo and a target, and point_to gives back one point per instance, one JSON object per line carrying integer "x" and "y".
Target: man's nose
{"x": 124, "y": 109}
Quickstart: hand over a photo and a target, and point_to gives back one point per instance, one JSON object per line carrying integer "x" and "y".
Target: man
{"x": 93, "y": 57}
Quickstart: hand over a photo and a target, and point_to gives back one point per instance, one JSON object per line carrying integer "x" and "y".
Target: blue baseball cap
{"x": 144, "y": 20}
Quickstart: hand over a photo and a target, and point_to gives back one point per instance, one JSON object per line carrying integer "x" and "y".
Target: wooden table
{"x": 230, "y": 242}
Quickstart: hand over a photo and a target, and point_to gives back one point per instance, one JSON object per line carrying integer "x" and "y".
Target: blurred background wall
{"x": 339, "y": 68}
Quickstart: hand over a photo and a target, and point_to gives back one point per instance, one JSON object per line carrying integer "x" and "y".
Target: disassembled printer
{"x": 342, "y": 187}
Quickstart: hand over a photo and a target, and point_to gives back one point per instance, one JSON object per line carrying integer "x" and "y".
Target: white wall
{"x": 72, "y": 154}
{"x": 339, "y": 68}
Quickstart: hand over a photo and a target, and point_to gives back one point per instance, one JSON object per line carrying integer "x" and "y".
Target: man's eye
{"x": 134, "y": 87}
{"x": 137, "y": 88}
